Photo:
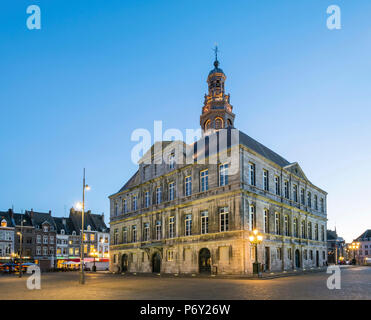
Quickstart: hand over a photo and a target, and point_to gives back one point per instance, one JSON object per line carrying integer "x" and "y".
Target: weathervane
{"x": 216, "y": 50}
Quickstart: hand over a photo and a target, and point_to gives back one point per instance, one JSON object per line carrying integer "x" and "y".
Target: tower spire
{"x": 217, "y": 111}
{"x": 216, "y": 50}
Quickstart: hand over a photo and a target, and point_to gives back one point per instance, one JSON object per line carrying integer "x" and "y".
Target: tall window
{"x": 124, "y": 235}
{"x": 171, "y": 227}
{"x": 295, "y": 227}
{"x": 252, "y": 174}
{"x": 218, "y": 123}
{"x": 116, "y": 236}
{"x": 315, "y": 202}
{"x": 158, "y": 195}
{"x": 303, "y": 229}
{"x": 125, "y": 206}
{"x": 322, "y": 233}
{"x": 135, "y": 203}
{"x": 224, "y": 223}
{"x": 295, "y": 193}
{"x": 134, "y": 233}
{"x": 322, "y": 205}
{"x": 309, "y": 200}
{"x": 45, "y": 239}
{"x": 287, "y": 230}
{"x": 188, "y": 185}
{"x": 251, "y": 217}
{"x": 316, "y": 235}
{"x": 146, "y": 232}
{"x": 286, "y": 189}
{"x": 204, "y": 180}
{"x": 277, "y": 185}
{"x": 289, "y": 253}
{"x": 310, "y": 231}
{"x": 223, "y": 174}
{"x": 146, "y": 199}
{"x": 302, "y": 196}
{"x": 277, "y": 223}
{"x": 171, "y": 191}
{"x": 204, "y": 222}
{"x": 188, "y": 224}
{"x": 172, "y": 161}
{"x": 116, "y": 210}
{"x": 266, "y": 221}
{"x": 266, "y": 180}
{"x": 158, "y": 230}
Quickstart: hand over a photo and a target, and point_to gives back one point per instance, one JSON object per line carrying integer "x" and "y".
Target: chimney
{"x": 10, "y": 211}
{"x": 31, "y": 213}
{"x": 64, "y": 221}
{"x": 50, "y": 212}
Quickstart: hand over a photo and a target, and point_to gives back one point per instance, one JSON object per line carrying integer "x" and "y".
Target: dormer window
{"x": 73, "y": 233}
{"x": 45, "y": 228}
{"x": 89, "y": 228}
{"x": 62, "y": 231}
{"x": 4, "y": 223}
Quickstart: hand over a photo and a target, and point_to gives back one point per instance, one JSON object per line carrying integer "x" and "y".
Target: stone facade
{"x": 166, "y": 218}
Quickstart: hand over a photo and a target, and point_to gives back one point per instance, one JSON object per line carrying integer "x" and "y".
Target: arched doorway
{"x": 156, "y": 263}
{"x": 204, "y": 261}
{"x": 297, "y": 258}
{"x": 124, "y": 263}
{"x": 317, "y": 258}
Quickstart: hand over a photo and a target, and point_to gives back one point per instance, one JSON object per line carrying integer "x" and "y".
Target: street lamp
{"x": 256, "y": 238}
{"x": 20, "y": 248}
{"x": 82, "y": 206}
{"x": 94, "y": 253}
{"x": 354, "y": 246}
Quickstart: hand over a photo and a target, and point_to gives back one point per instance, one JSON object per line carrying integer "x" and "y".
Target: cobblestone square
{"x": 355, "y": 285}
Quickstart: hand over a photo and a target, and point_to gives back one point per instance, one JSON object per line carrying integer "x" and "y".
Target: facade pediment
{"x": 297, "y": 170}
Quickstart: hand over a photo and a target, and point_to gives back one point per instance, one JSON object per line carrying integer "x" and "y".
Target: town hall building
{"x": 177, "y": 216}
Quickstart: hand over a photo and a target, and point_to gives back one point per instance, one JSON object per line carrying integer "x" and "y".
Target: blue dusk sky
{"x": 72, "y": 93}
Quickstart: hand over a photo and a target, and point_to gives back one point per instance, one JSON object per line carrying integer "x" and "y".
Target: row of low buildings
{"x": 52, "y": 241}
{"x": 339, "y": 250}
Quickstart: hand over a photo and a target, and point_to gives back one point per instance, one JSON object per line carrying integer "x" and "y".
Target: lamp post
{"x": 256, "y": 238}
{"x": 84, "y": 187}
{"x": 354, "y": 246}
{"x": 20, "y": 248}
{"x": 94, "y": 253}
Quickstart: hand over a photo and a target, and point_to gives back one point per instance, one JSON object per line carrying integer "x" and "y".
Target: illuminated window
{"x": 158, "y": 195}
{"x": 252, "y": 174}
{"x": 171, "y": 191}
{"x": 146, "y": 232}
{"x": 146, "y": 199}
{"x": 170, "y": 255}
{"x": 223, "y": 174}
{"x": 266, "y": 180}
{"x": 204, "y": 180}
{"x": 251, "y": 217}
{"x": 266, "y": 221}
{"x": 224, "y": 222}
{"x": 219, "y": 123}
{"x": 4, "y": 223}
{"x": 188, "y": 224}
{"x": 188, "y": 185}
{"x": 171, "y": 227}
{"x": 158, "y": 230}
{"x": 204, "y": 222}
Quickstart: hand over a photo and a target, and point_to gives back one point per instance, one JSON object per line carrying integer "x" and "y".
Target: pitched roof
{"x": 64, "y": 224}
{"x": 96, "y": 221}
{"x": 18, "y": 217}
{"x": 38, "y": 218}
{"x": 365, "y": 236}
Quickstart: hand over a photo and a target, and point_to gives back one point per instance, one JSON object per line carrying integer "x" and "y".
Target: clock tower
{"x": 217, "y": 111}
